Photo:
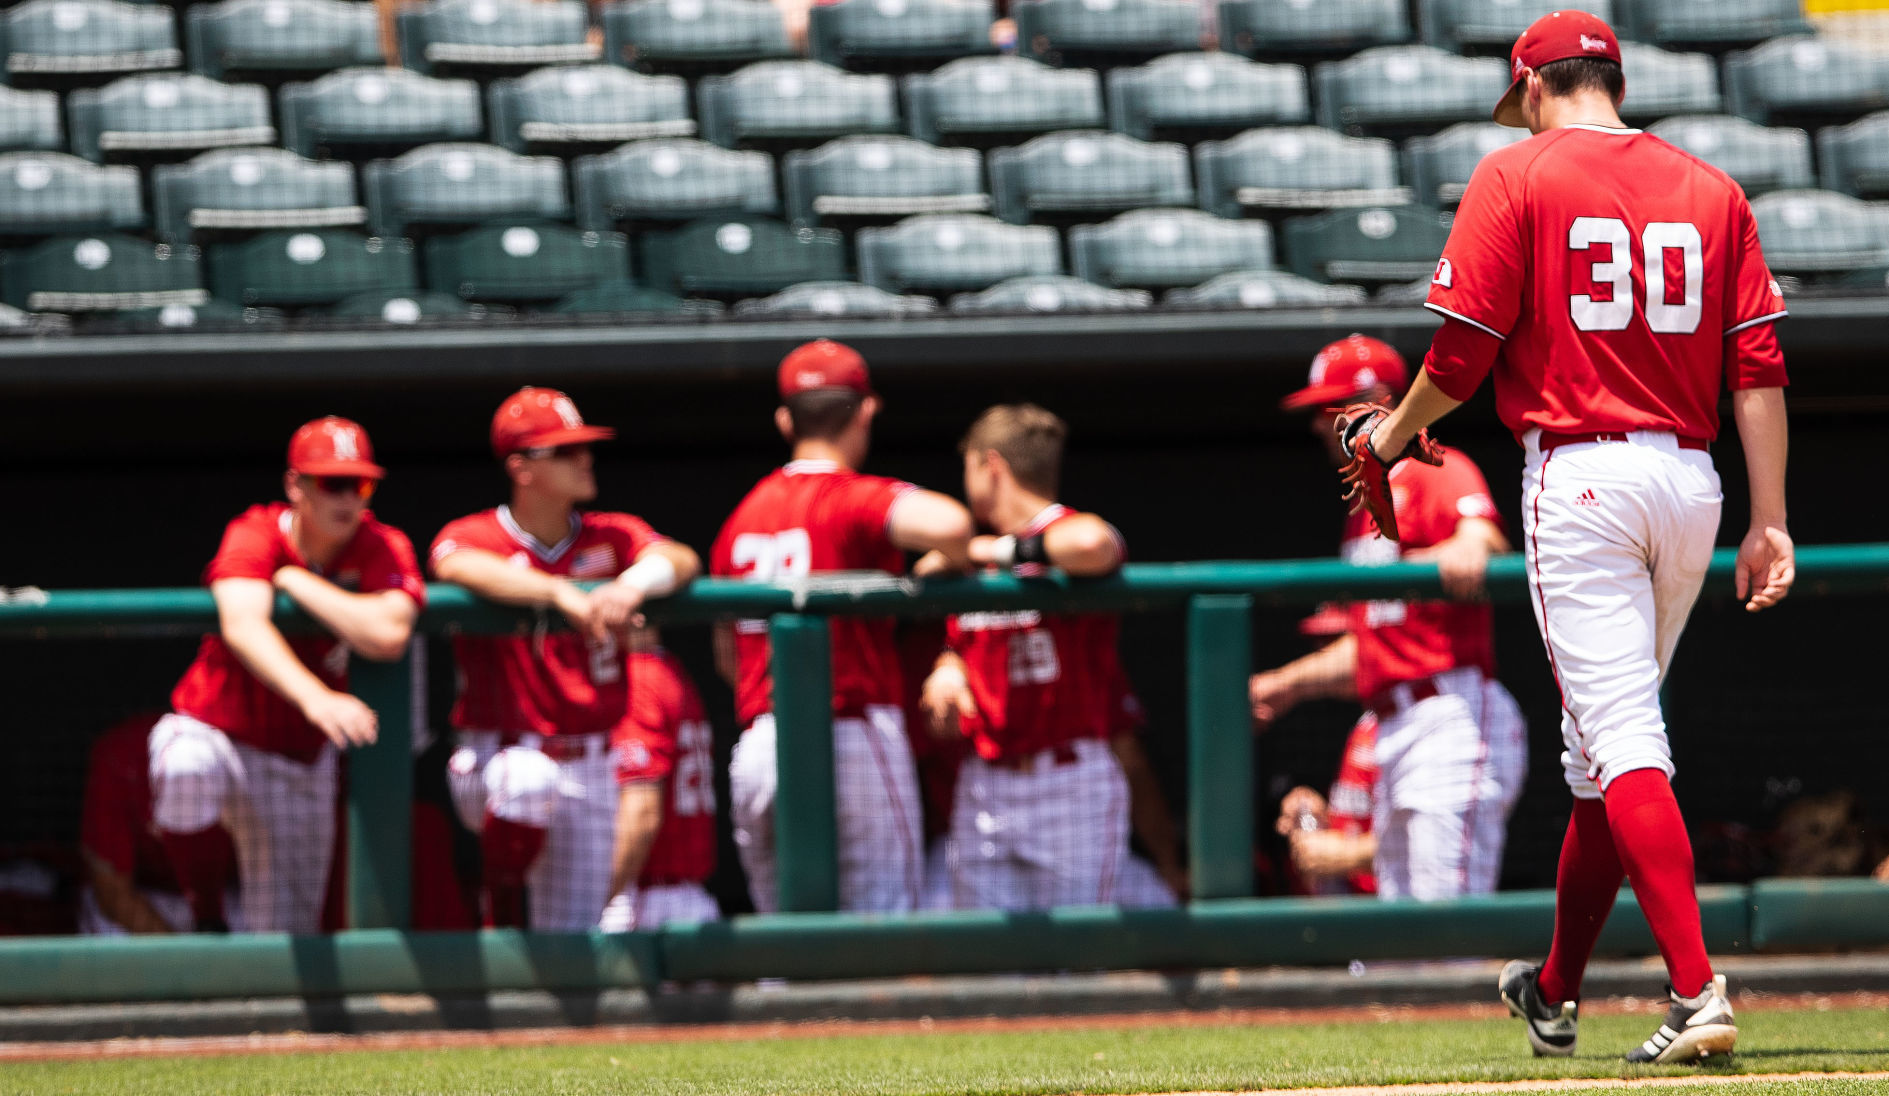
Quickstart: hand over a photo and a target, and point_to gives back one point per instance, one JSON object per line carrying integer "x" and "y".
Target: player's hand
{"x": 1767, "y": 565}
{"x": 983, "y": 550}
{"x": 614, "y": 608}
{"x": 1324, "y": 854}
{"x": 1462, "y": 563}
{"x": 1881, "y": 874}
{"x": 343, "y": 718}
{"x": 946, "y": 701}
{"x": 1271, "y": 696}
{"x": 1298, "y": 803}
{"x": 935, "y": 564}
{"x": 576, "y": 606}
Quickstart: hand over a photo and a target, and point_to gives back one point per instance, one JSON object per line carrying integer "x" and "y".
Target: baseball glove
{"x": 1367, "y": 478}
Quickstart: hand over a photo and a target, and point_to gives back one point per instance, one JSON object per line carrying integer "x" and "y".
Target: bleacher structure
{"x": 264, "y": 162}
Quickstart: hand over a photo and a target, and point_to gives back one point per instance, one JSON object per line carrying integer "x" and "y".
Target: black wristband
{"x": 1030, "y": 550}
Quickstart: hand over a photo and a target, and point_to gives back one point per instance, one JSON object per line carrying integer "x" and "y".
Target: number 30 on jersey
{"x": 1669, "y": 310}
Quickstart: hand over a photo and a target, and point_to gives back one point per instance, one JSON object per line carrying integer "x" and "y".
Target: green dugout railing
{"x": 1224, "y": 926}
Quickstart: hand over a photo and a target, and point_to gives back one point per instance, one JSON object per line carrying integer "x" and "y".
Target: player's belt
{"x": 1064, "y": 754}
{"x": 1551, "y": 440}
{"x": 1404, "y": 695}
{"x": 568, "y": 747}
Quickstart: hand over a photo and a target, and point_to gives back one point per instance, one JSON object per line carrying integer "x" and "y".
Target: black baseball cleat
{"x": 1551, "y": 1028}
{"x": 1695, "y": 1028}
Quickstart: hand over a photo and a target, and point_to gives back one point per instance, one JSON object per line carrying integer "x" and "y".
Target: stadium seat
{"x": 1327, "y": 29}
{"x": 940, "y": 253}
{"x": 166, "y": 117}
{"x": 870, "y": 180}
{"x": 621, "y": 300}
{"x": 524, "y": 262}
{"x": 831, "y": 299}
{"x": 1759, "y": 159}
{"x": 1716, "y": 25}
{"x": 268, "y": 41}
{"x": 252, "y": 190}
{"x": 1489, "y": 27}
{"x": 211, "y": 316}
{"x": 1854, "y": 159}
{"x": 403, "y": 308}
{"x": 287, "y": 268}
{"x": 1815, "y": 232}
{"x": 782, "y": 104}
{"x": 50, "y": 193}
{"x": 743, "y": 256}
{"x": 1193, "y": 96}
{"x": 648, "y": 182}
{"x": 1167, "y": 248}
{"x": 1407, "y": 90}
{"x": 364, "y": 112}
{"x": 1263, "y": 289}
{"x": 1040, "y": 293}
{"x": 898, "y": 36}
{"x": 61, "y": 43}
{"x": 985, "y": 101}
{"x": 693, "y": 37}
{"x": 1661, "y": 83}
{"x": 30, "y": 120}
{"x": 107, "y": 272}
{"x": 491, "y": 37}
{"x": 1063, "y": 177}
{"x": 1104, "y": 33}
{"x": 1439, "y": 167}
{"x": 462, "y": 184}
{"x": 572, "y": 109}
{"x": 1382, "y": 244}
{"x": 1805, "y": 81}
{"x": 1271, "y": 171}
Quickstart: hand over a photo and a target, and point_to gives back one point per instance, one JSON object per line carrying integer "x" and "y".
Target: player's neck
{"x": 546, "y": 519}
{"x": 317, "y": 551}
{"x": 1015, "y": 508}
{"x": 1586, "y": 108}
{"x": 825, "y": 449}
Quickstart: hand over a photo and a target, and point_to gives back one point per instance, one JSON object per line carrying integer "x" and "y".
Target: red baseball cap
{"x": 1556, "y": 36}
{"x": 1348, "y": 368}
{"x": 537, "y": 417}
{"x": 823, "y": 363}
{"x": 333, "y": 446}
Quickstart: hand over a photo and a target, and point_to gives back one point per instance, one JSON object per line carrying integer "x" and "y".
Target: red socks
{"x": 1585, "y": 887}
{"x": 1650, "y": 837}
{"x": 201, "y": 860}
{"x": 509, "y": 849}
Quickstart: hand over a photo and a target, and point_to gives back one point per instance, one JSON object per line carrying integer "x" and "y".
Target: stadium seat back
{"x": 1267, "y": 172}
{"x": 836, "y": 299}
{"x": 1167, "y": 248}
{"x": 746, "y": 256}
{"x": 1854, "y": 159}
{"x": 624, "y": 301}
{"x": 524, "y": 262}
{"x": 401, "y": 309}
{"x": 1373, "y": 246}
{"x": 30, "y": 120}
{"x": 954, "y": 252}
{"x": 1759, "y": 159}
{"x": 1490, "y": 27}
{"x": 1327, "y": 29}
{"x": 1805, "y": 80}
{"x": 1438, "y": 167}
{"x": 1062, "y": 177}
{"x": 1104, "y": 33}
{"x": 981, "y": 101}
{"x": 252, "y": 190}
{"x": 50, "y": 193}
{"x": 487, "y": 37}
{"x": 781, "y": 104}
{"x": 166, "y": 116}
{"x": 289, "y": 268}
{"x": 570, "y": 109}
{"x": 378, "y": 111}
{"x": 273, "y": 40}
{"x": 1718, "y": 25}
{"x": 1407, "y": 90}
{"x": 1263, "y": 289}
{"x": 63, "y": 43}
{"x": 693, "y": 37}
{"x": 1050, "y": 293}
{"x": 463, "y": 184}
{"x": 105, "y": 272}
{"x": 656, "y": 181}
{"x": 1813, "y": 233}
{"x": 1661, "y": 83}
{"x": 1192, "y": 96}
{"x": 862, "y": 180}
{"x": 898, "y": 36}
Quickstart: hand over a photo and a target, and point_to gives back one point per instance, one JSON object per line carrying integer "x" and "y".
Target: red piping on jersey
{"x": 1541, "y": 599}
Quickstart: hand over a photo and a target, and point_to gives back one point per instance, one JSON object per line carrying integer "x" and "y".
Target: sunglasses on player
{"x": 557, "y": 452}
{"x": 361, "y": 487}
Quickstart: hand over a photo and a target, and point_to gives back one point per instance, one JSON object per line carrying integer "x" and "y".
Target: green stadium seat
{"x": 621, "y": 300}
{"x": 1716, "y": 25}
{"x": 1805, "y": 81}
{"x": 67, "y": 42}
{"x": 1489, "y": 27}
{"x": 983, "y": 101}
{"x": 1870, "y": 279}
{"x": 1439, "y": 167}
{"x": 462, "y": 184}
{"x": 1104, "y": 33}
{"x": 744, "y": 256}
{"x": 50, "y": 193}
{"x": 1759, "y": 159}
{"x": 693, "y": 37}
{"x": 490, "y": 37}
{"x": 1062, "y": 177}
{"x": 252, "y": 190}
{"x": 1050, "y": 293}
{"x": 268, "y": 41}
{"x": 404, "y": 308}
{"x": 286, "y": 268}
{"x": 872, "y": 180}
{"x": 1272, "y": 171}
{"x": 524, "y": 262}
{"x": 167, "y": 116}
{"x": 1193, "y": 96}
{"x": 1407, "y": 90}
{"x": 16, "y": 323}
{"x": 1167, "y": 248}
{"x": 220, "y": 317}
{"x": 363, "y": 112}
{"x": 1815, "y": 232}
{"x": 107, "y": 272}
{"x": 648, "y": 182}
{"x": 1381, "y": 244}
{"x": 938, "y": 253}
{"x": 1661, "y": 83}
{"x": 898, "y": 36}
{"x": 781, "y": 104}
{"x": 1326, "y": 29}
{"x": 571, "y": 109}
{"x": 30, "y": 120}
{"x": 1854, "y": 159}
{"x": 835, "y": 299}
{"x": 1263, "y": 289}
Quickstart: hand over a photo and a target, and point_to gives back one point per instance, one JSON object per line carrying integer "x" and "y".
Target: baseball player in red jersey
{"x": 1041, "y": 814}
{"x": 818, "y": 514}
{"x": 1451, "y": 744}
{"x": 532, "y": 774}
{"x": 257, "y": 722}
{"x": 1332, "y": 844}
{"x": 1613, "y": 284}
{"x": 665, "y": 841}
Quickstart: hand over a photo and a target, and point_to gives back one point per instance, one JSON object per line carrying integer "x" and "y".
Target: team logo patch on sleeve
{"x": 1445, "y": 274}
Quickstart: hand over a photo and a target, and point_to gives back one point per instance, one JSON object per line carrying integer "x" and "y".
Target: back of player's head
{"x": 1352, "y": 368}
{"x": 1571, "y": 51}
{"x": 822, "y": 385}
{"x": 1028, "y": 438}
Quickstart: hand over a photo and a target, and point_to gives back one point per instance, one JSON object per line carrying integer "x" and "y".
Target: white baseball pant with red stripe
{"x": 1054, "y": 833}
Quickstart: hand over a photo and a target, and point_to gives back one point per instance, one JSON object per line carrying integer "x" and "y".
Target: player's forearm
{"x": 489, "y": 576}
{"x": 1084, "y": 546}
{"x": 1765, "y": 433}
{"x": 926, "y": 521}
{"x": 374, "y": 625}
{"x": 1147, "y": 803}
{"x": 265, "y": 654}
{"x": 1329, "y": 672}
{"x": 639, "y": 819}
{"x": 119, "y": 900}
{"x": 662, "y": 569}
{"x": 1423, "y": 406}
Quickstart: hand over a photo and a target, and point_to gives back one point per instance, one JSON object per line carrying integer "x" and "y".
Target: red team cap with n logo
{"x": 333, "y": 446}
{"x": 1556, "y": 36}
{"x": 823, "y": 363}
{"x": 535, "y": 418}
{"x": 1349, "y": 368}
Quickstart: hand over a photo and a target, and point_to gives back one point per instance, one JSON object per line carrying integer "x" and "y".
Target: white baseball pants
{"x": 654, "y": 907}
{"x": 1055, "y": 834}
{"x": 172, "y": 907}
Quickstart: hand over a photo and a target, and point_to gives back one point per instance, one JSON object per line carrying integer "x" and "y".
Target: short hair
{"x": 823, "y": 413}
{"x": 1029, "y": 438}
{"x": 1574, "y": 74}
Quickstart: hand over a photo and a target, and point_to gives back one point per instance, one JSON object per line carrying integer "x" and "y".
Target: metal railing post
{"x": 806, "y": 843}
{"x": 380, "y": 800}
{"x": 1219, "y": 745}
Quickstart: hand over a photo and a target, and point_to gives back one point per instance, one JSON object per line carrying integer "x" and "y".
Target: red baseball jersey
{"x": 667, "y": 737}
{"x": 806, "y": 517}
{"x": 1354, "y": 792}
{"x": 1613, "y": 267}
{"x": 1407, "y": 640}
{"x": 115, "y": 818}
{"x": 1039, "y": 680}
{"x": 219, "y": 690}
{"x": 554, "y": 682}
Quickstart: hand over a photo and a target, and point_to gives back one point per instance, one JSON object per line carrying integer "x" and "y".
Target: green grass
{"x": 1088, "y": 1061}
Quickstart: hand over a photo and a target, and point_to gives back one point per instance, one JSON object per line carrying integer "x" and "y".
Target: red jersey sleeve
{"x": 868, "y": 503}
{"x": 632, "y": 532}
{"x": 644, "y": 745}
{"x": 251, "y": 548}
{"x": 391, "y": 565}
{"x": 447, "y": 541}
{"x": 1755, "y": 302}
{"x": 1479, "y": 280}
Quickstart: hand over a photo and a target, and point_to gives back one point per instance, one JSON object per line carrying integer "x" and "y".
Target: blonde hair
{"x": 1029, "y": 438}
